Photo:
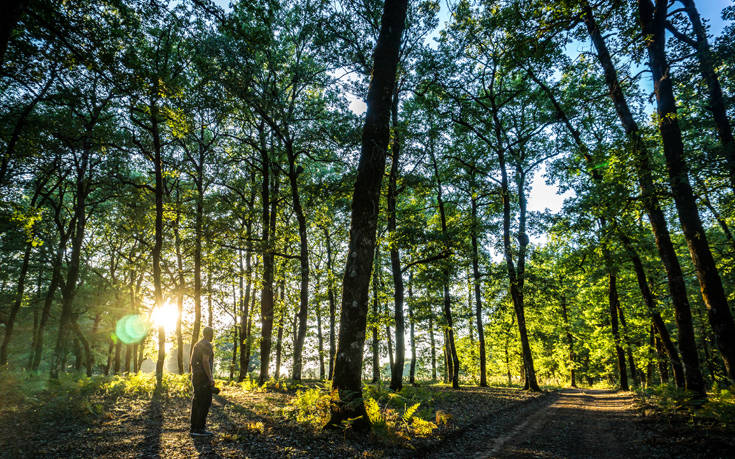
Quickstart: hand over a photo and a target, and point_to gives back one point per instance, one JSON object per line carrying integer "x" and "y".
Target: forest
{"x": 412, "y": 225}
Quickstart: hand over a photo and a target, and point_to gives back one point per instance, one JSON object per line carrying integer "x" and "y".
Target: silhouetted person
{"x": 201, "y": 365}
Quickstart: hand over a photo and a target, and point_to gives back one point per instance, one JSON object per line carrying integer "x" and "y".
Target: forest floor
{"x": 472, "y": 422}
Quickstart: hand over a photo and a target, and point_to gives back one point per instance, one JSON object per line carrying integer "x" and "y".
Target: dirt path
{"x": 569, "y": 423}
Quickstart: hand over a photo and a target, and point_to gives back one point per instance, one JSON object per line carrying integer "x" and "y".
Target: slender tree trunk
{"x": 332, "y": 307}
{"x": 653, "y": 22}
{"x": 303, "y": 313}
{"x": 363, "y": 225}
{"x": 570, "y": 340}
{"x": 235, "y": 333}
{"x": 320, "y": 341}
{"x": 656, "y": 319}
{"x": 614, "y": 304}
{"x": 628, "y": 348}
{"x": 180, "y": 289}
{"x": 412, "y": 373}
{"x": 198, "y": 222}
{"x": 663, "y": 369}
{"x": 451, "y": 349}
{"x": 88, "y": 354}
{"x": 716, "y": 100}
{"x": 675, "y": 277}
{"x": 266, "y": 299}
{"x": 158, "y": 242}
{"x": 37, "y": 345}
{"x": 396, "y": 379}
{"x": 478, "y": 295}
{"x": 116, "y": 361}
{"x": 69, "y": 290}
{"x": 448, "y": 363}
{"x": 376, "y": 318}
{"x": 244, "y": 316}
{"x": 432, "y": 340}
{"x": 15, "y": 307}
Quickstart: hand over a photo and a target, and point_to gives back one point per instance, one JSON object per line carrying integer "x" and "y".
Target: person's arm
{"x": 207, "y": 369}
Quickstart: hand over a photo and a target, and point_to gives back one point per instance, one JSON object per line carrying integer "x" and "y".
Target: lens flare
{"x": 165, "y": 316}
{"x": 132, "y": 328}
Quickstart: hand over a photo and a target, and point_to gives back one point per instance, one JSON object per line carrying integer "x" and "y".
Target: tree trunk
{"x": 396, "y": 379}
{"x": 614, "y": 304}
{"x": 716, "y": 99}
{"x": 656, "y": 319}
{"x": 70, "y": 286}
{"x": 37, "y": 345}
{"x": 412, "y": 373}
{"x": 180, "y": 289}
{"x": 653, "y": 22}
{"x": 663, "y": 369}
{"x": 674, "y": 275}
{"x": 451, "y": 349}
{"x": 158, "y": 243}
{"x": 628, "y": 348}
{"x": 15, "y": 307}
{"x": 198, "y": 217}
{"x": 363, "y": 225}
{"x": 570, "y": 340}
{"x": 266, "y": 298}
{"x": 235, "y": 332}
{"x": 478, "y": 295}
{"x": 88, "y": 354}
{"x": 376, "y": 318}
{"x": 332, "y": 307}
{"x": 303, "y": 313}
{"x": 244, "y": 305}
{"x": 320, "y": 342}
{"x": 432, "y": 340}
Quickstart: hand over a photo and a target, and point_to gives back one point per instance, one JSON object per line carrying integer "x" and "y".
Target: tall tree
{"x": 363, "y": 225}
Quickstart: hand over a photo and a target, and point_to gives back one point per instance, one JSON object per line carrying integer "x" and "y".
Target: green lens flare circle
{"x": 132, "y": 328}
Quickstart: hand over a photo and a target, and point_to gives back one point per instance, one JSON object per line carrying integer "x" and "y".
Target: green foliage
{"x": 311, "y": 406}
{"x": 141, "y": 384}
{"x": 719, "y": 408}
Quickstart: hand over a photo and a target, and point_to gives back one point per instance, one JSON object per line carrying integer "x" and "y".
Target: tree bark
{"x": 653, "y": 22}
{"x": 478, "y": 295}
{"x": 432, "y": 340}
{"x": 412, "y": 372}
{"x": 674, "y": 274}
{"x": 376, "y": 318}
{"x": 453, "y": 358}
{"x": 332, "y": 307}
{"x": 180, "y": 289}
{"x": 614, "y": 304}
{"x": 716, "y": 100}
{"x": 303, "y": 313}
{"x": 268, "y": 223}
{"x": 320, "y": 342}
{"x": 570, "y": 340}
{"x": 396, "y": 379}
{"x": 656, "y": 319}
{"x": 158, "y": 241}
{"x": 37, "y": 345}
{"x": 363, "y": 225}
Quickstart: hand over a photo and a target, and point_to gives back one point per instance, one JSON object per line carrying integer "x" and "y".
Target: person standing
{"x": 201, "y": 366}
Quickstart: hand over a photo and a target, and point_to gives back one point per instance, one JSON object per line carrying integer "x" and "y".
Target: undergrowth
{"x": 719, "y": 408}
{"x": 394, "y": 417}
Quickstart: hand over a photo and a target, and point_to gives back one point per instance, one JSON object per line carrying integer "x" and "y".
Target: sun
{"x": 165, "y": 316}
